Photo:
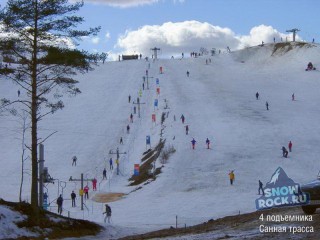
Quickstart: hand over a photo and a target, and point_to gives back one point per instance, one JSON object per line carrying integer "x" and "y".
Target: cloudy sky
{"x": 135, "y": 26}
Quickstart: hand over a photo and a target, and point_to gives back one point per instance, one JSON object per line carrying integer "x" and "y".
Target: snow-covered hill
{"x": 219, "y": 103}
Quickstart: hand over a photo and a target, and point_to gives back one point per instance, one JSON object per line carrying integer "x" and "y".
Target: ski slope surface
{"x": 218, "y": 102}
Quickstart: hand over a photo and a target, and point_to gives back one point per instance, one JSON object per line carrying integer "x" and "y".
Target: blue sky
{"x": 238, "y": 16}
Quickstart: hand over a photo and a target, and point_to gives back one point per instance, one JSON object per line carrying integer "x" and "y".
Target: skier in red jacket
{"x": 290, "y": 146}
{"x": 94, "y": 184}
{"x": 86, "y": 192}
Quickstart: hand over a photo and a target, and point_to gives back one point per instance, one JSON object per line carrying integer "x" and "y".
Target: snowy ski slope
{"x": 218, "y": 101}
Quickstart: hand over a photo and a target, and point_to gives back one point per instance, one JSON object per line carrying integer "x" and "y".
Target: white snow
{"x": 8, "y": 228}
{"x": 218, "y": 101}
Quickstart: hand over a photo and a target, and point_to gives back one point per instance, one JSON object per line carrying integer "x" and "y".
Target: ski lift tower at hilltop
{"x": 294, "y": 31}
{"x": 155, "y": 52}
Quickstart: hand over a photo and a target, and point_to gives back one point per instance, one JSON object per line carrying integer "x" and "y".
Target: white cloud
{"x": 95, "y": 40}
{"x": 174, "y": 38}
{"x": 63, "y": 42}
{"x": 127, "y": 3}
{"x": 107, "y": 35}
{"x": 123, "y": 3}
{"x": 263, "y": 33}
{"x": 177, "y": 37}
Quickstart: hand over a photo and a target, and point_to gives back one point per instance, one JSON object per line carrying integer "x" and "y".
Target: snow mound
{"x": 8, "y": 227}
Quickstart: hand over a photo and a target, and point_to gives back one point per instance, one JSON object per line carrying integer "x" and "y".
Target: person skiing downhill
{"x": 257, "y": 95}
{"x": 193, "y": 142}
{"x": 128, "y": 129}
{"x": 284, "y": 152}
{"x": 208, "y": 143}
{"x": 182, "y": 119}
{"x": 188, "y": 73}
{"x": 267, "y": 105}
{"x": 290, "y": 146}
{"x": 108, "y": 213}
{"x": 74, "y": 161}
{"x": 231, "y": 177}
{"x": 111, "y": 164}
{"x": 292, "y": 96}
{"x": 260, "y": 188}
{"x": 104, "y": 174}
{"x": 131, "y": 118}
{"x": 187, "y": 129}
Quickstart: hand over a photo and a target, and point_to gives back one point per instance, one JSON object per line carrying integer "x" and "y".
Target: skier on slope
{"x": 108, "y": 213}
{"x": 193, "y": 143}
{"x": 104, "y": 174}
{"x": 86, "y": 192}
{"x": 257, "y": 95}
{"x": 182, "y": 119}
{"x": 73, "y": 198}
{"x": 310, "y": 67}
{"x": 94, "y": 184}
{"x": 74, "y": 161}
{"x": 290, "y": 146}
{"x": 187, "y": 129}
{"x": 59, "y": 203}
{"x": 231, "y": 177}
{"x": 111, "y": 164}
{"x": 260, "y": 188}
{"x": 284, "y": 152}
{"x": 208, "y": 143}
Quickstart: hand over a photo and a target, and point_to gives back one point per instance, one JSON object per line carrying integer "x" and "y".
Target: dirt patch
{"x": 107, "y": 197}
{"x": 284, "y": 47}
{"x": 147, "y": 165}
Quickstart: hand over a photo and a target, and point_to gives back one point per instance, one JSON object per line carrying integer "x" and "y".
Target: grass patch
{"x": 166, "y": 153}
{"x": 284, "y": 47}
{"x": 60, "y": 227}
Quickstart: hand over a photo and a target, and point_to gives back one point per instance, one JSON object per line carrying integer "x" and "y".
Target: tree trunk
{"x": 34, "y": 120}
{"x": 22, "y": 156}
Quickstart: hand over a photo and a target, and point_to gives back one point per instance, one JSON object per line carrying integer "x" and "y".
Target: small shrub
{"x": 165, "y": 154}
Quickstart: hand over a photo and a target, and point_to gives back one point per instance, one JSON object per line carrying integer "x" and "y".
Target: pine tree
{"x": 40, "y": 36}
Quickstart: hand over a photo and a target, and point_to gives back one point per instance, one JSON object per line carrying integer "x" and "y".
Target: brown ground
{"x": 107, "y": 197}
{"x": 245, "y": 226}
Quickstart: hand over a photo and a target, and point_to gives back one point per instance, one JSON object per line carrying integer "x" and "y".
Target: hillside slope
{"x": 218, "y": 101}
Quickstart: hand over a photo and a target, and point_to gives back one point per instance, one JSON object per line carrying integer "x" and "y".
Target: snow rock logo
{"x": 281, "y": 191}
